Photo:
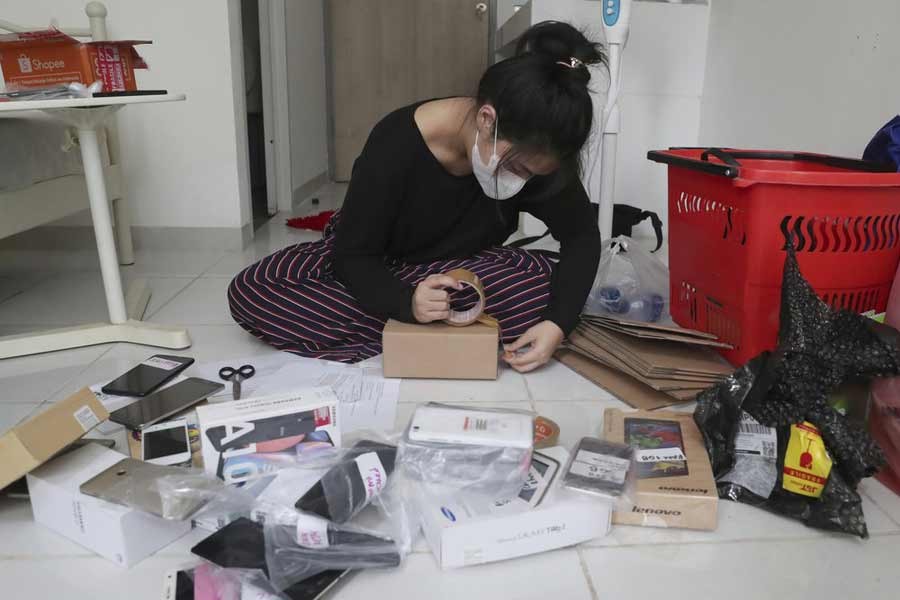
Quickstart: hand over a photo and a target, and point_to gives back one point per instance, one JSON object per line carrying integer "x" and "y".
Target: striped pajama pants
{"x": 292, "y": 300}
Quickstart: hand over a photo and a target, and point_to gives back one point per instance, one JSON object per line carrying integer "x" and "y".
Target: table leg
{"x": 103, "y": 231}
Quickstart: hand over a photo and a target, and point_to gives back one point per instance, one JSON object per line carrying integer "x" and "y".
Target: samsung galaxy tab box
{"x": 123, "y": 535}
{"x": 674, "y": 481}
{"x": 242, "y": 440}
{"x": 440, "y": 351}
{"x": 464, "y": 531}
{"x": 37, "y": 440}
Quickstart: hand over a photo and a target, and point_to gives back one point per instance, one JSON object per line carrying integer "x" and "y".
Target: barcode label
{"x": 86, "y": 418}
{"x": 158, "y": 362}
{"x": 754, "y": 438}
{"x": 753, "y": 428}
{"x": 475, "y": 424}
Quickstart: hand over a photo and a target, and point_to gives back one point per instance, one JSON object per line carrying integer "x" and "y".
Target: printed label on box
{"x": 600, "y": 466}
{"x": 754, "y": 438}
{"x": 372, "y": 472}
{"x": 755, "y": 465}
{"x": 161, "y": 363}
{"x": 86, "y": 418}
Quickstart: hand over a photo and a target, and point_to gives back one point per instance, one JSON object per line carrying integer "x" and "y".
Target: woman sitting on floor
{"x": 440, "y": 185}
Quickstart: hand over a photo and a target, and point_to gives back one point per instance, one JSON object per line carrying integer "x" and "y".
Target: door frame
{"x": 276, "y": 115}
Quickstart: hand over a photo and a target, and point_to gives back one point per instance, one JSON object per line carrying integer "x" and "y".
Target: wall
{"x": 184, "y": 162}
{"x": 822, "y": 76}
{"x": 662, "y": 78}
{"x": 306, "y": 92}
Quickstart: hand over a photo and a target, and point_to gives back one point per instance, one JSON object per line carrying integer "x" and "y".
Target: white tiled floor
{"x": 753, "y": 554}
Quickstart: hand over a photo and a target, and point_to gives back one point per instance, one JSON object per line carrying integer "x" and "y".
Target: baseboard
{"x": 58, "y": 237}
{"x": 301, "y": 194}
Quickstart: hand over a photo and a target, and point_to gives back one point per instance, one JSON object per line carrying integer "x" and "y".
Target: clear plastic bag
{"x": 200, "y": 496}
{"x": 630, "y": 283}
{"x": 215, "y": 583}
{"x": 602, "y": 469}
{"x": 486, "y": 449}
{"x": 300, "y": 545}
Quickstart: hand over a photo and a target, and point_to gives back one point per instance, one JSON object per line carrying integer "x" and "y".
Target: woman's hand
{"x": 431, "y": 302}
{"x": 545, "y": 338}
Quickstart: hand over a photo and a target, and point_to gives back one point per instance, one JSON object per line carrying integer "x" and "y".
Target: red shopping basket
{"x": 730, "y": 213}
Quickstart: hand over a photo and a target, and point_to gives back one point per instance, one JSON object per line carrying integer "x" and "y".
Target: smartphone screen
{"x": 148, "y": 375}
{"x": 165, "y": 402}
{"x": 165, "y": 442}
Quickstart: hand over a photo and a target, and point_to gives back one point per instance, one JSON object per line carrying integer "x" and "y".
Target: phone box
{"x": 468, "y": 532}
{"x": 32, "y": 443}
{"x": 47, "y": 58}
{"x": 674, "y": 484}
{"x": 440, "y": 351}
{"x": 241, "y": 439}
{"x": 123, "y": 535}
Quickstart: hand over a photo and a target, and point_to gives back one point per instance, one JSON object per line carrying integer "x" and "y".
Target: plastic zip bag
{"x": 486, "y": 449}
{"x": 630, "y": 283}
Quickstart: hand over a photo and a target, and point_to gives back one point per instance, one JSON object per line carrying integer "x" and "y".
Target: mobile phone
{"x": 598, "y": 467}
{"x": 166, "y": 443}
{"x": 541, "y": 477}
{"x": 165, "y": 403}
{"x": 148, "y": 375}
{"x": 178, "y": 585}
{"x": 448, "y": 425}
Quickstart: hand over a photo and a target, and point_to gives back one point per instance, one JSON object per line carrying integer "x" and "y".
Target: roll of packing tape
{"x": 546, "y": 433}
{"x": 461, "y": 318}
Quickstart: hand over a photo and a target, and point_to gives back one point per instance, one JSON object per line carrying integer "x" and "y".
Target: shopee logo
{"x": 24, "y": 64}
{"x": 27, "y": 65}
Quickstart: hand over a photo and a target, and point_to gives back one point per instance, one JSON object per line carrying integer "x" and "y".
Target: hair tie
{"x": 573, "y": 63}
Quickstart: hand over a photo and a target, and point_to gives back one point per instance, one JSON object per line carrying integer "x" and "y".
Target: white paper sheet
{"x": 368, "y": 400}
{"x": 265, "y": 365}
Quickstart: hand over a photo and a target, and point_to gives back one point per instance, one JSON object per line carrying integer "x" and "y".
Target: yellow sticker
{"x": 806, "y": 461}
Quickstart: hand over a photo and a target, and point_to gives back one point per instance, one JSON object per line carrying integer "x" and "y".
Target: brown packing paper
{"x": 629, "y": 390}
{"x": 440, "y": 351}
{"x": 687, "y": 501}
{"x": 37, "y": 440}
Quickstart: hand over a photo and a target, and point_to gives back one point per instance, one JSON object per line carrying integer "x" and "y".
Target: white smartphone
{"x": 166, "y": 443}
{"x": 451, "y": 425}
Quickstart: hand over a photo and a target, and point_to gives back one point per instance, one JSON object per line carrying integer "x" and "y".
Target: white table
{"x": 87, "y": 115}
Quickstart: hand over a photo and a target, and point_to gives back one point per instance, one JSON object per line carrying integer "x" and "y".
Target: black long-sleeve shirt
{"x": 402, "y": 204}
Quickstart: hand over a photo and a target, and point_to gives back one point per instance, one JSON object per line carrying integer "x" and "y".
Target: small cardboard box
{"x": 235, "y": 437}
{"x": 40, "y": 59}
{"x": 120, "y": 534}
{"x": 29, "y": 445}
{"x": 440, "y": 351}
{"x": 675, "y": 485}
{"x": 462, "y": 533}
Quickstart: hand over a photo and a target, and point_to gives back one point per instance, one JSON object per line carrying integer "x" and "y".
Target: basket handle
{"x": 725, "y": 157}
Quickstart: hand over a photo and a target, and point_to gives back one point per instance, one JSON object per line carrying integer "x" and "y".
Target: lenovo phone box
{"x": 461, "y": 532}
{"x": 440, "y": 351}
{"x": 674, "y": 480}
{"x": 239, "y": 439}
{"x": 123, "y": 535}
{"x": 37, "y": 440}
{"x": 48, "y": 58}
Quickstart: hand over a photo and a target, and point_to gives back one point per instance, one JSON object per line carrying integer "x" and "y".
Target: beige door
{"x": 389, "y": 53}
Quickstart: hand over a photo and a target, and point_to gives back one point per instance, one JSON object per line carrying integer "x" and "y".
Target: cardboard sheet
{"x": 629, "y": 390}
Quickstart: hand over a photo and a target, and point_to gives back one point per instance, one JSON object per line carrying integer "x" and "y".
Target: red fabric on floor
{"x": 312, "y": 222}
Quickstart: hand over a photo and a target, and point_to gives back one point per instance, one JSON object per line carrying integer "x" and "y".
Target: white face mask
{"x": 501, "y": 186}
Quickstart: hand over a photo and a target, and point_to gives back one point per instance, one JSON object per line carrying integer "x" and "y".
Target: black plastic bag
{"x": 756, "y": 423}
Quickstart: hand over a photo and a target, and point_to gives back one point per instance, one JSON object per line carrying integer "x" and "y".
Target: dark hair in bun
{"x": 541, "y": 94}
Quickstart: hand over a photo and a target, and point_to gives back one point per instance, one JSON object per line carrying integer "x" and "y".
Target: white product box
{"x": 120, "y": 534}
{"x": 241, "y": 440}
{"x": 468, "y": 532}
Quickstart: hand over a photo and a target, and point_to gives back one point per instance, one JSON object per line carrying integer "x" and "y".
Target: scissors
{"x": 236, "y": 376}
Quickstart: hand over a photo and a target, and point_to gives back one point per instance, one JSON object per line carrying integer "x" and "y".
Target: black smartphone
{"x": 241, "y": 545}
{"x": 165, "y": 403}
{"x": 148, "y": 375}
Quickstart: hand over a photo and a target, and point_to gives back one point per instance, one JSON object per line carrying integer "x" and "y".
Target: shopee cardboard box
{"x": 440, "y": 351}
{"x": 40, "y": 59}
{"x": 27, "y": 446}
{"x": 674, "y": 480}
